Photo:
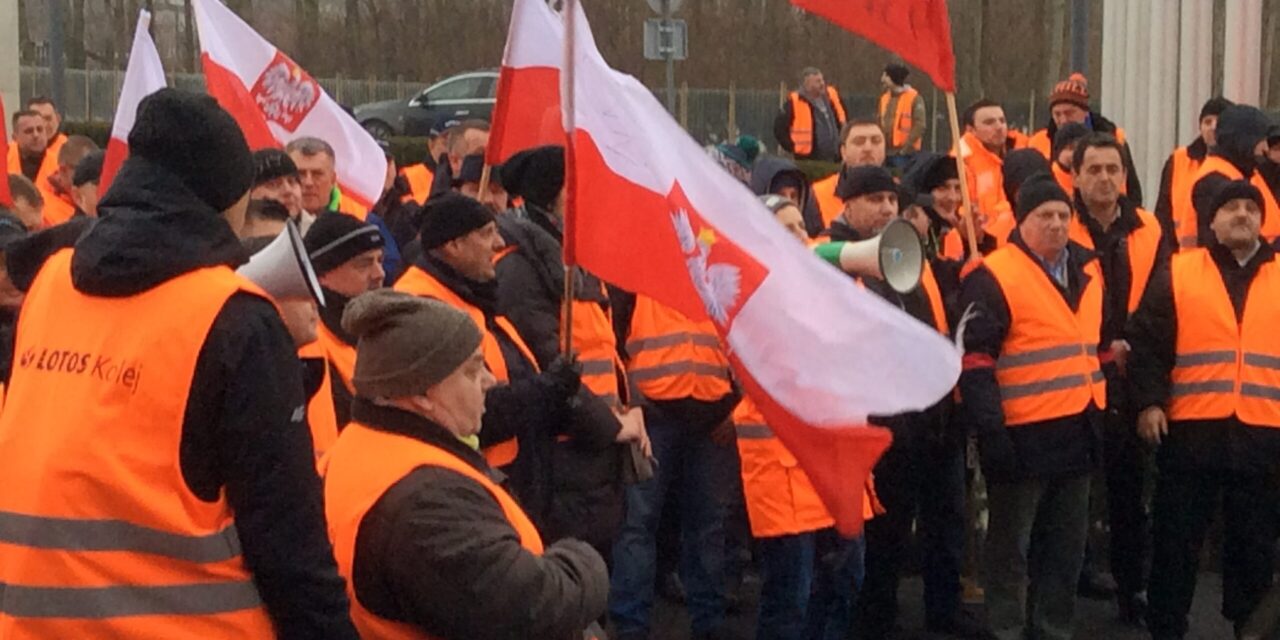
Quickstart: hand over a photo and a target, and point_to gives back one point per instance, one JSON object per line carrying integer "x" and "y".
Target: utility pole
{"x": 57, "y": 61}
{"x": 670, "y": 54}
{"x": 1080, "y": 35}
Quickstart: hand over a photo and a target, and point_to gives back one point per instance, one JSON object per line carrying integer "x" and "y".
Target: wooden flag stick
{"x": 484, "y": 182}
{"x": 568, "y": 111}
{"x": 966, "y": 198}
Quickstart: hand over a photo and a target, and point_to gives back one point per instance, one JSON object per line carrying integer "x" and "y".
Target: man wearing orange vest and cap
{"x": 171, "y": 485}
{"x": 1204, "y": 369}
{"x": 1033, "y": 391}
{"x": 1182, "y": 164}
{"x": 1129, "y": 245}
{"x": 1069, "y": 102}
{"x": 809, "y": 122}
{"x": 531, "y": 407}
{"x": 1241, "y": 141}
{"x": 901, "y": 114}
{"x": 428, "y": 538}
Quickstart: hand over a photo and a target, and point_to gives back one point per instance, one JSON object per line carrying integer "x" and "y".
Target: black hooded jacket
{"x": 1237, "y": 136}
{"x": 1100, "y": 124}
{"x": 242, "y": 431}
{"x": 768, "y": 169}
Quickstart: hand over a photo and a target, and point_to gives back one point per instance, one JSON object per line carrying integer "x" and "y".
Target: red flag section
{"x": 652, "y": 213}
{"x": 919, "y": 31}
{"x": 6, "y": 199}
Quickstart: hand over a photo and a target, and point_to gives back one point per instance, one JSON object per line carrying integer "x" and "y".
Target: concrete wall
{"x": 9, "y": 75}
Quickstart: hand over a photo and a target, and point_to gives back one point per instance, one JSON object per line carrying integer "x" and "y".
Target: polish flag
{"x": 6, "y": 199}
{"x": 143, "y": 77}
{"x": 275, "y": 101}
{"x": 527, "y": 112}
{"x": 652, "y": 213}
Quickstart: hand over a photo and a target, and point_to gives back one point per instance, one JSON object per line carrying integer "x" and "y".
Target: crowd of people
{"x": 412, "y": 449}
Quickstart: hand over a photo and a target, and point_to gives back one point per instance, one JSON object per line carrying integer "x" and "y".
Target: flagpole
{"x": 484, "y": 182}
{"x": 571, "y": 177}
{"x": 960, "y": 173}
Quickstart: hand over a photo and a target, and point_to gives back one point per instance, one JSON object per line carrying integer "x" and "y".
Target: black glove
{"x": 998, "y": 456}
{"x": 564, "y": 374}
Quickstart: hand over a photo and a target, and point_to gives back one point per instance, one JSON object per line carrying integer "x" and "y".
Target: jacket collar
{"x": 400, "y": 422}
{"x": 1077, "y": 257}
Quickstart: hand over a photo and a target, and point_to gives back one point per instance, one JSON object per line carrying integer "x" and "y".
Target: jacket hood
{"x": 1240, "y": 129}
{"x": 766, "y": 171}
{"x": 151, "y": 228}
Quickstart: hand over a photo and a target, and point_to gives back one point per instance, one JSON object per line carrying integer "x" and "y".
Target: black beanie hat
{"x": 941, "y": 171}
{"x": 1068, "y": 135}
{"x": 335, "y": 238}
{"x": 1018, "y": 166}
{"x": 860, "y": 181}
{"x": 1212, "y": 193}
{"x": 1035, "y": 191}
{"x": 897, "y": 72}
{"x": 89, "y": 169}
{"x": 189, "y": 135}
{"x": 1240, "y": 129}
{"x": 1214, "y": 107}
{"x": 269, "y": 164}
{"x": 451, "y": 216}
{"x": 537, "y": 175}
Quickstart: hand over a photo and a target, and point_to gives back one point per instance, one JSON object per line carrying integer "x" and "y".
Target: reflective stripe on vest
{"x": 671, "y": 357}
{"x": 902, "y": 120}
{"x": 780, "y": 498}
{"x": 1224, "y": 367}
{"x": 802, "y": 120}
{"x": 1143, "y": 244}
{"x": 363, "y": 464}
{"x": 596, "y": 347}
{"x": 1181, "y": 174}
{"x": 107, "y": 539}
{"x": 1048, "y": 365}
{"x": 1184, "y": 212}
{"x": 420, "y": 283}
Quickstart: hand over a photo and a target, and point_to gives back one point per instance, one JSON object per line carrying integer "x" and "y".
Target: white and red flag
{"x": 652, "y": 213}
{"x": 274, "y": 100}
{"x": 143, "y": 77}
{"x": 527, "y": 111}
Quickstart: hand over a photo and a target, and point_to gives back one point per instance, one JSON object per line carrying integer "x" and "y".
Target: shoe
{"x": 971, "y": 593}
{"x": 961, "y": 625}
{"x": 1133, "y": 609}
{"x": 1096, "y": 585}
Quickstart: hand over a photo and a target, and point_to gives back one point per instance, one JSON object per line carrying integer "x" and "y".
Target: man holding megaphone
{"x": 884, "y": 252}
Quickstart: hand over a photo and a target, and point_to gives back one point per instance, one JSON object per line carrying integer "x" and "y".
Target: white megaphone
{"x": 896, "y": 256}
{"x": 282, "y": 268}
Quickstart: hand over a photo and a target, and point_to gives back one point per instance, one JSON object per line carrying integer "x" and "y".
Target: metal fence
{"x": 710, "y": 115}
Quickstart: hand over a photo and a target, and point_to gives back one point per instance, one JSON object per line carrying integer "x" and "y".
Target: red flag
{"x": 143, "y": 77}
{"x": 274, "y": 100}
{"x": 527, "y": 112}
{"x": 917, "y": 30}
{"x": 651, "y": 212}
{"x": 6, "y": 199}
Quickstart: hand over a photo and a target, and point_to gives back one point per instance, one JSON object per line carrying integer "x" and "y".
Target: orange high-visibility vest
{"x": 1224, "y": 367}
{"x": 780, "y": 498}
{"x": 902, "y": 120}
{"x": 802, "y": 120}
{"x": 1182, "y": 172}
{"x": 984, "y": 172}
{"x": 1048, "y": 365}
{"x": 672, "y": 357}
{"x": 417, "y": 282}
{"x": 1184, "y": 211}
{"x": 321, "y": 416}
{"x": 1066, "y": 180}
{"x": 363, "y": 464}
{"x": 48, "y": 166}
{"x": 1143, "y": 245}
{"x": 596, "y": 346}
{"x": 419, "y": 178}
{"x": 931, "y": 289}
{"x": 1040, "y": 141}
{"x": 340, "y": 354}
{"x": 829, "y": 204}
{"x": 105, "y": 539}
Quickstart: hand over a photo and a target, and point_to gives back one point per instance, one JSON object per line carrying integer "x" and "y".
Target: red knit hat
{"x": 1074, "y": 89}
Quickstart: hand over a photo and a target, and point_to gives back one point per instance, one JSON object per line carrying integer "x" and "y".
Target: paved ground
{"x": 1095, "y": 620}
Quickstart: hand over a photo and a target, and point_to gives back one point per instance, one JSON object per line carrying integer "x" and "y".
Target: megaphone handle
{"x": 965, "y": 196}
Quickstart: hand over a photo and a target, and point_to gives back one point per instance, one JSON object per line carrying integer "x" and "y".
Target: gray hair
{"x": 809, "y": 71}
{"x": 310, "y": 146}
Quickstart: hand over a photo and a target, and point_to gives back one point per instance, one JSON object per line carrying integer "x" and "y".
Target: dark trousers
{"x": 922, "y": 484}
{"x": 1184, "y": 506}
{"x": 808, "y": 585}
{"x": 1127, "y": 469}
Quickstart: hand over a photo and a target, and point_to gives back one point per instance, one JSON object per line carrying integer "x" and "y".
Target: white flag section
{"x": 276, "y": 101}
{"x": 655, "y": 215}
{"x": 143, "y": 77}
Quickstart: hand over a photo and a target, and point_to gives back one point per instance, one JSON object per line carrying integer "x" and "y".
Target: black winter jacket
{"x": 1152, "y": 333}
{"x": 437, "y": 552}
{"x": 242, "y": 432}
{"x": 1057, "y": 447}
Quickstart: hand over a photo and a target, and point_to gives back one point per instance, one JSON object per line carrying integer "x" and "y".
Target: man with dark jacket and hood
{"x": 1241, "y": 136}
{"x": 1069, "y": 102}
{"x": 1204, "y": 349}
{"x": 1182, "y": 164}
{"x": 587, "y": 496}
{"x": 1033, "y": 389}
{"x": 430, "y": 542}
{"x": 781, "y": 177}
{"x": 175, "y": 419}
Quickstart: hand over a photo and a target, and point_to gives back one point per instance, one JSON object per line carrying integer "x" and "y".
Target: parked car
{"x": 464, "y": 96}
